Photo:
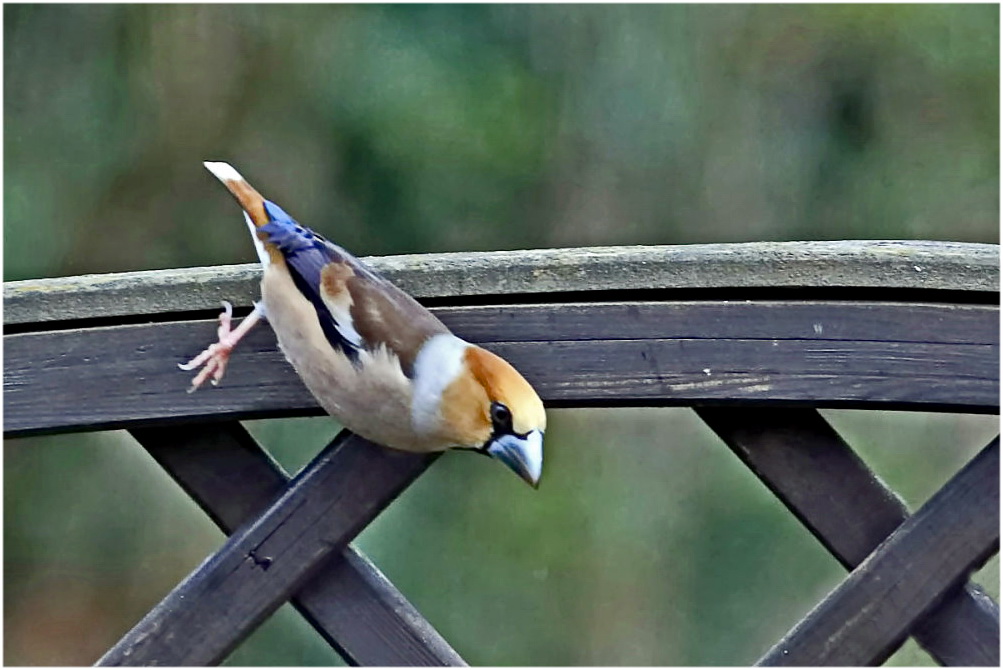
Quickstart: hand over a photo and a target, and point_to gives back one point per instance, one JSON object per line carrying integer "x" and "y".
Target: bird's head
{"x": 486, "y": 405}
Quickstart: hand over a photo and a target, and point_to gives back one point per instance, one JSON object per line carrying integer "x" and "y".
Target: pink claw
{"x": 215, "y": 356}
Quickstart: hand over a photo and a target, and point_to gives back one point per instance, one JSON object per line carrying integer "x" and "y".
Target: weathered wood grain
{"x": 951, "y": 266}
{"x": 866, "y": 617}
{"x": 679, "y": 353}
{"x": 807, "y": 319}
{"x": 964, "y": 630}
{"x": 350, "y": 603}
{"x": 820, "y": 479}
{"x": 262, "y": 564}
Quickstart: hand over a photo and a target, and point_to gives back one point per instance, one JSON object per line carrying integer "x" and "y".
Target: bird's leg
{"x": 216, "y": 355}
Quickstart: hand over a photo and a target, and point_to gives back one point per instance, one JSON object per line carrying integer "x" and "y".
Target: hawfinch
{"x": 374, "y": 358}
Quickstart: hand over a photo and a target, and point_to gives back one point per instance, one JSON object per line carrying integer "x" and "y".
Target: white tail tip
{"x": 223, "y": 171}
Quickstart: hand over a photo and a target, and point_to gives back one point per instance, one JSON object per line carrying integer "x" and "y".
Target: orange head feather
{"x": 503, "y": 384}
{"x": 487, "y": 379}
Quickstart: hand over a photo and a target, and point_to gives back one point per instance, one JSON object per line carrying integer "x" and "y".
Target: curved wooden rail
{"x": 754, "y": 336}
{"x": 913, "y": 265}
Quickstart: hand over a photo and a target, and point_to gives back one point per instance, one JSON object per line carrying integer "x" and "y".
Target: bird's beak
{"x": 523, "y": 454}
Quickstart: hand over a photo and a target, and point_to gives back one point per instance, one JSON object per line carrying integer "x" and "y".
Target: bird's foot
{"x": 214, "y": 358}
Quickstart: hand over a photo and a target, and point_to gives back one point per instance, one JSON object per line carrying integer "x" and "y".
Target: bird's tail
{"x": 253, "y": 205}
{"x": 252, "y": 201}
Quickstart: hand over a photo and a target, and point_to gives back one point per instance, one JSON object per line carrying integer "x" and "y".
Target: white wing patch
{"x": 340, "y": 306}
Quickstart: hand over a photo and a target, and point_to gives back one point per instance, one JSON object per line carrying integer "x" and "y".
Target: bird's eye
{"x": 501, "y": 417}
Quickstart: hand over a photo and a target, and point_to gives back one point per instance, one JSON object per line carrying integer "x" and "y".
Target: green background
{"x": 438, "y": 128}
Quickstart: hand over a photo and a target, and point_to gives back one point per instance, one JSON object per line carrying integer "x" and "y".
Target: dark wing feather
{"x": 306, "y": 254}
{"x": 379, "y": 312}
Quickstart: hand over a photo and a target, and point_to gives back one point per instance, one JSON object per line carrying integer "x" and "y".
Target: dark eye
{"x": 501, "y": 417}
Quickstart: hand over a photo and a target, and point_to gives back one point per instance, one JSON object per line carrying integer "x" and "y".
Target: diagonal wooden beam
{"x": 350, "y": 603}
{"x": 868, "y": 615}
{"x": 265, "y": 562}
{"x": 799, "y": 457}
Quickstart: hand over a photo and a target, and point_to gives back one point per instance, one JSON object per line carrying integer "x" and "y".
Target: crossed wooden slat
{"x": 798, "y": 455}
{"x": 923, "y": 337}
{"x": 348, "y": 601}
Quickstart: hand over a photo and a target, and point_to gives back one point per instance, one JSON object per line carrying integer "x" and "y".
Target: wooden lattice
{"x": 754, "y": 337}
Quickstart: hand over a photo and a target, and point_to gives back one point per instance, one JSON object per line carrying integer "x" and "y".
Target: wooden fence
{"x": 755, "y": 337}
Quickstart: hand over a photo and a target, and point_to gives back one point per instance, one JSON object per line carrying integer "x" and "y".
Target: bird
{"x": 373, "y": 357}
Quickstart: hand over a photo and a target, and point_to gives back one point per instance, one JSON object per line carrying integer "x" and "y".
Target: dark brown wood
{"x": 868, "y": 615}
{"x": 355, "y": 581}
{"x": 350, "y": 603}
{"x": 263, "y": 563}
{"x": 798, "y": 456}
{"x": 962, "y": 631}
{"x": 803, "y": 319}
{"x": 823, "y": 354}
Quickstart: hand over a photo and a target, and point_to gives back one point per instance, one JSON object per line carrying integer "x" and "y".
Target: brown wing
{"x": 370, "y": 311}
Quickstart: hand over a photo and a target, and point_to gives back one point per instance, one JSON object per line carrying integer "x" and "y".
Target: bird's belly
{"x": 371, "y": 398}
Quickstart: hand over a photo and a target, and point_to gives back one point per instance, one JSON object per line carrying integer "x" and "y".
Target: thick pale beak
{"x": 523, "y": 454}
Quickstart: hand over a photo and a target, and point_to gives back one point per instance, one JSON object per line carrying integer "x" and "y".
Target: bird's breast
{"x": 371, "y": 397}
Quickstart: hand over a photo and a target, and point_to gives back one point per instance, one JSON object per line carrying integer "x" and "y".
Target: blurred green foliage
{"x": 416, "y": 128}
